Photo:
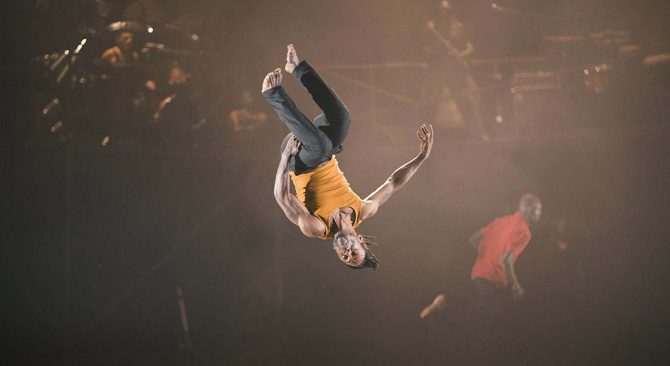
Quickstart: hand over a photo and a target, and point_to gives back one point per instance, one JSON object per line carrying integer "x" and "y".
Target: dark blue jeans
{"x": 321, "y": 137}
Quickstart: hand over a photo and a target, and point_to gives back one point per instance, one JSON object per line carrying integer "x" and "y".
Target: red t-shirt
{"x": 507, "y": 233}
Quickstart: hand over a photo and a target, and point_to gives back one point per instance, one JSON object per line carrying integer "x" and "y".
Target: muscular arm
{"x": 510, "y": 274}
{"x": 400, "y": 176}
{"x": 294, "y": 210}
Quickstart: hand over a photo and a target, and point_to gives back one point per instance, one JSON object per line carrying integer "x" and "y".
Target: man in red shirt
{"x": 498, "y": 245}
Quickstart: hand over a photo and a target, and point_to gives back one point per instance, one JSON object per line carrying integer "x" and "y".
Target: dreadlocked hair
{"x": 370, "y": 260}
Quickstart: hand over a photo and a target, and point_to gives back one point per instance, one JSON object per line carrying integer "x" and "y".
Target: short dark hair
{"x": 370, "y": 260}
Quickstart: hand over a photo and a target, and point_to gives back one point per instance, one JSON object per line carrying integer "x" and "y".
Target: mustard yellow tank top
{"x": 324, "y": 189}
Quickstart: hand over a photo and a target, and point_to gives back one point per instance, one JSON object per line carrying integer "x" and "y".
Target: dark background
{"x": 95, "y": 240}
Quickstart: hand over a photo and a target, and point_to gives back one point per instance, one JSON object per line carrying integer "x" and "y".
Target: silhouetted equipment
{"x": 597, "y": 78}
{"x": 85, "y": 96}
{"x": 537, "y": 101}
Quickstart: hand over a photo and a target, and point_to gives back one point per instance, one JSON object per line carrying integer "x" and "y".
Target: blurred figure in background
{"x": 498, "y": 246}
{"x": 124, "y": 79}
{"x": 247, "y": 116}
{"x": 248, "y": 123}
{"x": 448, "y": 50}
{"x": 124, "y": 53}
{"x": 176, "y": 117}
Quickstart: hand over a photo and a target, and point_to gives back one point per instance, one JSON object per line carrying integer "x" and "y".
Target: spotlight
{"x": 51, "y": 106}
{"x": 56, "y": 127}
{"x": 80, "y": 46}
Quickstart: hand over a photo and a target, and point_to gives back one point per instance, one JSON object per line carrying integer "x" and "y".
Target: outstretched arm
{"x": 401, "y": 176}
{"x": 294, "y": 210}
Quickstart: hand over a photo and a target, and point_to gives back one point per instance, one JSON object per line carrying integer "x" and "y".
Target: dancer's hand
{"x": 292, "y": 146}
{"x": 425, "y": 134}
{"x": 517, "y": 291}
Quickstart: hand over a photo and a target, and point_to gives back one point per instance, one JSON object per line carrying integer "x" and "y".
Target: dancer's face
{"x": 535, "y": 212}
{"x": 349, "y": 248}
{"x": 531, "y": 207}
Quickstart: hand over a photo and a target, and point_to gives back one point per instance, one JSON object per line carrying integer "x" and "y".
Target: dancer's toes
{"x": 272, "y": 80}
{"x": 292, "y": 59}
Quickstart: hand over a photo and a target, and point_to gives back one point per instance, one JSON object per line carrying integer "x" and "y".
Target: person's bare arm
{"x": 111, "y": 55}
{"x": 235, "y": 120}
{"x": 294, "y": 210}
{"x": 475, "y": 239}
{"x": 400, "y": 176}
{"x": 510, "y": 274}
{"x": 258, "y": 116}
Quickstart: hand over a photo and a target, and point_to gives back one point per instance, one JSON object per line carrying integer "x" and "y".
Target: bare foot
{"x": 437, "y": 304}
{"x": 271, "y": 80}
{"x": 292, "y": 59}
